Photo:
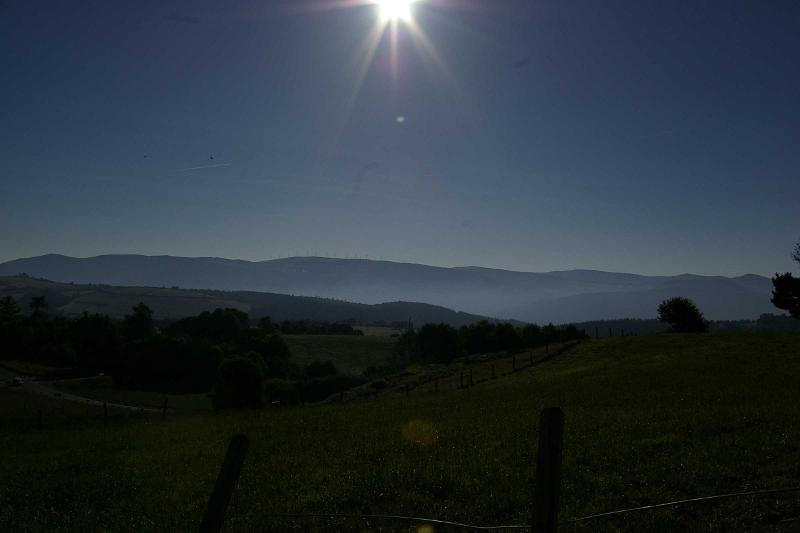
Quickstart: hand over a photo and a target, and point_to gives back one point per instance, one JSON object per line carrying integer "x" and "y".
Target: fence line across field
{"x": 545, "y": 502}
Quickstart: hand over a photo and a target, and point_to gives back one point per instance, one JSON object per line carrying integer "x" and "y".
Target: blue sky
{"x": 649, "y": 137}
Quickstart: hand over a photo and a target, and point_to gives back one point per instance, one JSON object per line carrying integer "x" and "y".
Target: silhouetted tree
{"x": 265, "y": 324}
{"x": 221, "y": 326}
{"x": 95, "y": 340}
{"x": 786, "y": 289}
{"x": 531, "y": 335}
{"x": 139, "y": 325}
{"x": 240, "y": 383}
{"x": 437, "y": 343}
{"x": 9, "y": 310}
{"x": 276, "y": 354}
{"x": 39, "y": 306}
{"x": 682, "y": 315}
{"x": 168, "y": 364}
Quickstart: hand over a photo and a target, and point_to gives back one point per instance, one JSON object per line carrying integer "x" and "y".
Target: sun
{"x": 395, "y": 10}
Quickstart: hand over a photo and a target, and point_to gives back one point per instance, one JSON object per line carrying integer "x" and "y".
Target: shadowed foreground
{"x": 648, "y": 419}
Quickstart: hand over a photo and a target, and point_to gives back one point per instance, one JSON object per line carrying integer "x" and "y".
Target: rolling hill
{"x": 74, "y": 299}
{"x": 564, "y": 296}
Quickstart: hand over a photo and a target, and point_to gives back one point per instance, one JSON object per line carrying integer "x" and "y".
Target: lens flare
{"x": 420, "y": 432}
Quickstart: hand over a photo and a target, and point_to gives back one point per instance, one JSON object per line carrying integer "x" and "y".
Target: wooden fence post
{"x": 226, "y": 482}
{"x": 530, "y": 357}
{"x": 548, "y": 471}
{"x": 621, "y": 332}
{"x": 610, "y": 333}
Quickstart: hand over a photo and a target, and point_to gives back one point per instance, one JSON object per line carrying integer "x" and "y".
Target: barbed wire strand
{"x": 515, "y": 526}
{"x": 685, "y": 502}
{"x": 384, "y": 517}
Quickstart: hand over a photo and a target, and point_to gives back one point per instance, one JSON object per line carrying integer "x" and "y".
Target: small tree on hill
{"x": 139, "y": 325}
{"x": 786, "y": 289}
{"x": 38, "y": 306}
{"x": 682, "y": 315}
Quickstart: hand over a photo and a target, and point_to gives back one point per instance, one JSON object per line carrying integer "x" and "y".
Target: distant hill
{"x": 568, "y": 296}
{"x": 72, "y": 300}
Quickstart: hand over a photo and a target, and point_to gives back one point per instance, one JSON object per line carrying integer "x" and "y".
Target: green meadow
{"x": 352, "y": 354}
{"x": 648, "y": 419}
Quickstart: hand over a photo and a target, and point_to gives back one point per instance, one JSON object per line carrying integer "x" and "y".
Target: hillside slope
{"x": 116, "y": 302}
{"x": 647, "y": 420}
{"x": 540, "y": 297}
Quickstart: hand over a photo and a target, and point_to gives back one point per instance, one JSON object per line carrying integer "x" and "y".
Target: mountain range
{"x": 558, "y": 297}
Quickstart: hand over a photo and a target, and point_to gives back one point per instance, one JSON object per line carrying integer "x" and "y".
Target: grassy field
{"x": 648, "y": 419}
{"x": 29, "y": 368}
{"x": 103, "y": 388}
{"x": 351, "y": 353}
{"x": 379, "y": 331}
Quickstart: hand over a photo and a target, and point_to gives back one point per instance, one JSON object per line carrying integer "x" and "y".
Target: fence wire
{"x": 687, "y": 501}
{"x": 513, "y": 527}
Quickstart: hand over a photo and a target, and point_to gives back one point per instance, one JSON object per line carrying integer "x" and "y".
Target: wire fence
{"x": 474, "y": 370}
{"x": 420, "y": 522}
{"x": 543, "y": 512}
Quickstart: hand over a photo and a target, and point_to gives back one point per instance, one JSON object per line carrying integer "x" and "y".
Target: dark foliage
{"x": 786, "y": 289}
{"x": 682, "y": 315}
{"x": 302, "y": 327}
{"x": 97, "y": 341}
{"x": 439, "y": 343}
{"x": 320, "y": 389}
{"x": 239, "y": 383}
{"x": 139, "y": 324}
{"x": 168, "y": 364}
{"x": 320, "y": 369}
{"x": 220, "y": 326}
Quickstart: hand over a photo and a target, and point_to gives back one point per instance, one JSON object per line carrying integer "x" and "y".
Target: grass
{"x": 29, "y": 368}
{"x": 648, "y": 419}
{"x": 379, "y": 331}
{"x": 351, "y": 353}
{"x": 103, "y": 388}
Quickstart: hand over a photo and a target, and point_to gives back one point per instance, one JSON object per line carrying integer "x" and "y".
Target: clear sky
{"x": 640, "y": 136}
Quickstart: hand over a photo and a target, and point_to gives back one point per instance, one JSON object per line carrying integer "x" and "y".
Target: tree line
{"x": 441, "y": 343}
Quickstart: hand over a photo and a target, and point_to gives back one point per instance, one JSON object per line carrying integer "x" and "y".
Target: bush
{"x": 167, "y": 364}
{"x": 320, "y": 369}
{"x": 317, "y": 390}
{"x": 682, "y": 315}
{"x": 240, "y": 383}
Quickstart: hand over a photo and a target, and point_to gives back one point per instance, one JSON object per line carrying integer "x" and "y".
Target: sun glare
{"x": 395, "y": 10}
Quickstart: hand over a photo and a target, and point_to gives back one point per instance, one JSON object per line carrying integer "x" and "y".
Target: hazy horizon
{"x": 666, "y": 274}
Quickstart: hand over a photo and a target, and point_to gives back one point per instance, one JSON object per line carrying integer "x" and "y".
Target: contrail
{"x": 205, "y": 166}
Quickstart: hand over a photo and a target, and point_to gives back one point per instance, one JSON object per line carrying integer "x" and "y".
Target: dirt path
{"x": 45, "y": 388}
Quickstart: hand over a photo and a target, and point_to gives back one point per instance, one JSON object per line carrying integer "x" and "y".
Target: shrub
{"x": 682, "y": 315}
{"x": 240, "y": 383}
